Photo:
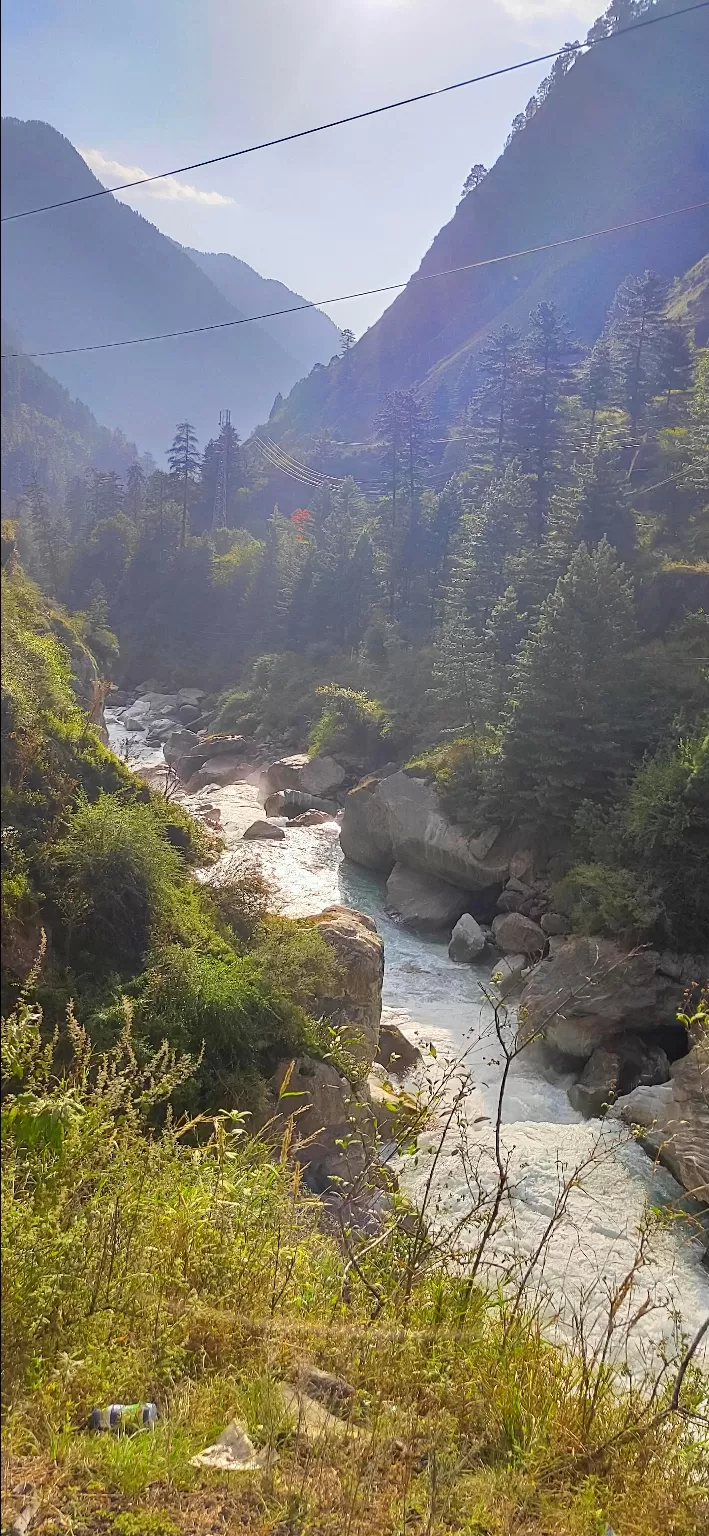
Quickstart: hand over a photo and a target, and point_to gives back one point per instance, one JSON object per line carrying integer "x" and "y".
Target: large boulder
{"x": 222, "y": 746}
{"x": 515, "y": 934}
{"x": 182, "y": 744}
{"x": 467, "y": 940}
{"x": 675, "y": 1120}
{"x": 264, "y": 831}
{"x": 283, "y": 774}
{"x": 322, "y": 776}
{"x": 219, "y": 770}
{"x": 616, "y": 1068}
{"x": 395, "y": 1052}
{"x": 507, "y": 974}
{"x": 334, "y": 1129}
{"x": 355, "y": 1007}
{"x": 399, "y": 820}
{"x": 292, "y": 802}
{"x": 590, "y": 990}
{"x": 421, "y": 901}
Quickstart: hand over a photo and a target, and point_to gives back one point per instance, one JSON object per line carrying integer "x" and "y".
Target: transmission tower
{"x": 221, "y": 493}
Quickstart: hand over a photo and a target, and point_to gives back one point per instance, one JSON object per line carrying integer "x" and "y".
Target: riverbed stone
{"x": 423, "y": 902}
{"x": 354, "y": 1004}
{"x": 399, "y": 820}
{"x": 334, "y": 1129}
{"x": 508, "y": 973}
{"x": 264, "y": 831}
{"x": 395, "y": 1052}
{"x": 675, "y": 1120}
{"x": 623, "y": 1063}
{"x": 322, "y": 776}
{"x": 515, "y": 934}
{"x": 293, "y": 802}
{"x": 591, "y": 989}
{"x": 283, "y": 774}
{"x": 180, "y": 744}
{"x": 467, "y": 940}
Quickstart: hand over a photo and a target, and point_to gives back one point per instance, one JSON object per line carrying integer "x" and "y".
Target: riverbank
{"x": 443, "y": 1005}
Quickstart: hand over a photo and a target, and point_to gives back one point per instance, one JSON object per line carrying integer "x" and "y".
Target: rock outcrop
{"x": 293, "y": 802}
{"x": 355, "y": 1008}
{"x": 398, "y": 819}
{"x": 590, "y": 990}
{"x": 322, "y": 776}
{"x": 333, "y": 1124}
{"x": 467, "y": 940}
{"x": 515, "y": 934}
{"x": 423, "y": 902}
{"x": 283, "y": 774}
{"x": 264, "y": 831}
{"x": 624, "y": 1063}
{"x": 675, "y": 1120}
{"x": 395, "y": 1052}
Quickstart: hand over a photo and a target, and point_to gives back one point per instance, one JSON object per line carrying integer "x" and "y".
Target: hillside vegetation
{"x": 609, "y": 138}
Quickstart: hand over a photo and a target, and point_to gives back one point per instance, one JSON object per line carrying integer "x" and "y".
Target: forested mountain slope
{"x": 98, "y": 272}
{"x": 622, "y": 135}
{"x": 309, "y": 337}
{"x": 48, "y": 436}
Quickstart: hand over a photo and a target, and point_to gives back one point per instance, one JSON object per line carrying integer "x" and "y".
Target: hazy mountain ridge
{"x": 310, "y": 337}
{"x": 614, "y": 142}
{"x": 98, "y": 272}
{"x": 46, "y": 433}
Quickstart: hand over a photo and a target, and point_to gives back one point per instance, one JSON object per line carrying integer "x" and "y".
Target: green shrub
{"x": 667, "y": 823}
{"x": 241, "y": 895}
{"x": 350, "y": 722}
{"x": 604, "y": 900}
{"x": 113, "y": 877}
{"x": 461, "y": 771}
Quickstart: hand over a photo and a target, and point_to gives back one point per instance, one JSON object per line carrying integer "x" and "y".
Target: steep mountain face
{"x": 46, "y": 433}
{"x": 624, "y": 135}
{"x": 309, "y": 337}
{"x": 97, "y": 272}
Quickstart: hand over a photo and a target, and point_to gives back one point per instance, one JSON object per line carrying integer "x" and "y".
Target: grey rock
{"x": 354, "y": 1006}
{"x": 670, "y": 965}
{"x": 334, "y": 1130}
{"x": 118, "y": 698}
{"x": 422, "y": 901}
{"x": 395, "y": 1052}
{"x": 179, "y": 744}
{"x": 283, "y": 774}
{"x": 221, "y": 770}
{"x": 616, "y": 1068}
{"x": 190, "y": 695}
{"x": 515, "y": 934}
{"x": 513, "y": 884}
{"x": 554, "y": 925}
{"x": 292, "y": 802}
{"x": 592, "y": 989}
{"x": 188, "y": 713}
{"x": 322, "y": 776}
{"x": 507, "y": 974}
{"x": 675, "y": 1118}
{"x": 399, "y": 820}
{"x": 263, "y": 831}
{"x": 311, "y": 819}
{"x": 223, "y": 746}
{"x": 510, "y": 901}
{"x": 467, "y": 940}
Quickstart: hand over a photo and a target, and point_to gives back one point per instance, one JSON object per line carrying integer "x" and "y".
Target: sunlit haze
{"x": 142, "y": 88}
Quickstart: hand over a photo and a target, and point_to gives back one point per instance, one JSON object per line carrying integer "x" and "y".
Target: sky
{"x": 152, "y": 84}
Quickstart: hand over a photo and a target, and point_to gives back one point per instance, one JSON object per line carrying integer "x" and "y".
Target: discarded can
{"x": 124, "y": 1416}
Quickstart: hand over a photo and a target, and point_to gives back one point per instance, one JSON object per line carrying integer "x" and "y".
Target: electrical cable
{"x": 356, "y": 117}
{"x": 364, "y": 293}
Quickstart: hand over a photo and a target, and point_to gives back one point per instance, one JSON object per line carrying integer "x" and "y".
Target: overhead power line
{"x": 356, "y": 117}
{"x": 365, "y": 293}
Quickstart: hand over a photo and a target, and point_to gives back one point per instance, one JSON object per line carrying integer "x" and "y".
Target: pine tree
{"x": 390, "y": 426}
{"x": 184, "y": 460}
{"x": 476, "y": 174}
{"x": 499, "y": 366}
{"x": 460, "y": 666}
{"x": 135, "y": 492}
{"x": 635, "y": 331}
{"x": 44, "y": 536}
{"x": 563, "y": 732}
{"x": 347, "y": 341}
{"x": 416, "y": 436}
{"x": 547, "y": 357}
{"x": 597, "y": 382}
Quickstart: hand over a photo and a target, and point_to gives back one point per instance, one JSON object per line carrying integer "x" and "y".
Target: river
{"x": 442, "y": 1005}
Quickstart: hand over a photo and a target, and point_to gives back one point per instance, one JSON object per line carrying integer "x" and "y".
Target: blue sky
{"x": 155, "y": 83}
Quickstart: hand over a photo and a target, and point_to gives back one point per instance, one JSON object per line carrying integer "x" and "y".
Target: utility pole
{"x": 221, "y": 494}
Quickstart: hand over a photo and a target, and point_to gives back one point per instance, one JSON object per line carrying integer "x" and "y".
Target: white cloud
{"x": 168, "y": 188}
